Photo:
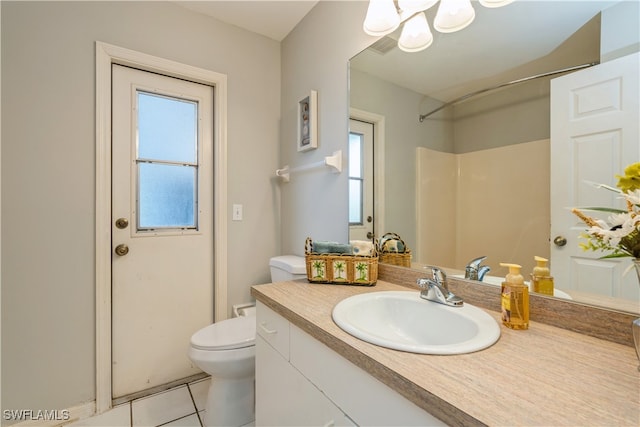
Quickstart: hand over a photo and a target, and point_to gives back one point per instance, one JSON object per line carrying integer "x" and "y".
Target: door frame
{"x": 378, "y": 162}
{"x": 106, "y": 55}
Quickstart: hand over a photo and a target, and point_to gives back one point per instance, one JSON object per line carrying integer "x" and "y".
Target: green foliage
{"x": 631, "y": 179}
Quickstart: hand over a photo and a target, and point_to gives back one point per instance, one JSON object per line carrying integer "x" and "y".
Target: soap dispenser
{"x": 541, "y": 279}
{"x": 515, "y": 299}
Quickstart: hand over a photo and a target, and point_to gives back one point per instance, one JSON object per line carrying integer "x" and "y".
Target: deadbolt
{"x": 369, "y": 218}
{"x": 122, "y": 249}
{"x": 560, "y": 241}
{"x": 122, "y": 223}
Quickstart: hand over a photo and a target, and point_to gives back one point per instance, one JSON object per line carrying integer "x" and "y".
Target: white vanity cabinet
{"x": 300, "y": 381}
{"x": 284, "y": 397}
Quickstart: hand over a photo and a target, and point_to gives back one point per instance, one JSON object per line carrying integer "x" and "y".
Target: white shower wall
{"x": 492, "y": 198}
{"x": 436, "y": 199}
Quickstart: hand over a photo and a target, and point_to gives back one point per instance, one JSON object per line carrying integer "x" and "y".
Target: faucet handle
{"x": 423, "y": 283}
{"x": 477, "y": 261}
{"x": 438, "y": 292}
{"x": 439, "y": 276}
{"x": 475, "y": 271}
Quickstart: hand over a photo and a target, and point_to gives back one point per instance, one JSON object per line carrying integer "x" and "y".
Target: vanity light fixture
{"x": 454, "y": 15}
{"x": 416, "y": 35}
{"x": 384, "y": 17}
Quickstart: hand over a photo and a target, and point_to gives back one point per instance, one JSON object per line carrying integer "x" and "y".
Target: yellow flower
{"x": 631, "y": 179}
{"x": 620, "y": 234}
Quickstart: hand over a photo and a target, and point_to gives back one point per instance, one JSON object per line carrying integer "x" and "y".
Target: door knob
{"x": 121, "y": 249}
{"x": 370, "y": 235}
{"x": 560, "y": 241}
{"x": 122, "y": 223}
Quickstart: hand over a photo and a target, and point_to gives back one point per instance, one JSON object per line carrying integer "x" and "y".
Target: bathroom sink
{"x": 401, "y": 320}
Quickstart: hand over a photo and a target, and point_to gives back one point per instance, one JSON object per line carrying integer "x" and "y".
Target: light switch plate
{"x": 237, "y": 212}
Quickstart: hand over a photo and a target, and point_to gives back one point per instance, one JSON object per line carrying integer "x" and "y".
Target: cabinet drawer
{"x": 286, "y": 398}
{"x": 273, "y": 328}
{"x": 366, "y": 400}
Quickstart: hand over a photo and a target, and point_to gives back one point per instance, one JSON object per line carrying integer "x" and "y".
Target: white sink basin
{"x": 401, "y": 320}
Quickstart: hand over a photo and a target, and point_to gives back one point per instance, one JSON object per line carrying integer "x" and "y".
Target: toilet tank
{"x": 287, "y": 267}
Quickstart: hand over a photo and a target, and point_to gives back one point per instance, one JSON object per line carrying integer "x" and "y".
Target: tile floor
{"x": 181, "y": 406}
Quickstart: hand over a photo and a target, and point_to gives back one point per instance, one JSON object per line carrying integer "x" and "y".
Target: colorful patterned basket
{"x": 402, "y": 259}
{"x": 342, "y": 269}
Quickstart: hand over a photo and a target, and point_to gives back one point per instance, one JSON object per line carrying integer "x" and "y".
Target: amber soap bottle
{"x": 541, "y": 279}
{"x": 515, "y": 299}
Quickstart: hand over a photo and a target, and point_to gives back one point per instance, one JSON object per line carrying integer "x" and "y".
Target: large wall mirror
{"x": 484, "y": 175}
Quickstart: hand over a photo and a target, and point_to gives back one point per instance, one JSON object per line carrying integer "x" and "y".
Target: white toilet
{"x": 226, "y": 350}
{"x": 287, "y": 267}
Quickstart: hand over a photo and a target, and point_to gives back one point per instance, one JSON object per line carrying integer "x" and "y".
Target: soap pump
{"x": 541, "y": 279}
{"x": 515, "y": 299}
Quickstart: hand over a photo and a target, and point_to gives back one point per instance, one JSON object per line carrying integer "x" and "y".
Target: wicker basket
{"x": 402, "y": 259}
{"x": 343, "y": 269}
{"x": 394, "y": 258}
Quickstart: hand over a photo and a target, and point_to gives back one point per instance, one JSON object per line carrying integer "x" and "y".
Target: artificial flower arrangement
{"x": 620, "y": 234}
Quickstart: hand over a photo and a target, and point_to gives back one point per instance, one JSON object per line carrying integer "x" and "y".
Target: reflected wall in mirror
{"x": 476, "y": 177}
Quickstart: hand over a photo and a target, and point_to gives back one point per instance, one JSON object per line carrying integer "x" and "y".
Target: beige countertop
{"x": 542, "y": 376}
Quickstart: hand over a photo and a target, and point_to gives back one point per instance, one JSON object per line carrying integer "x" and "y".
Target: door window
{"x": 356, "y": 177}
{"x": 166, "y": 162}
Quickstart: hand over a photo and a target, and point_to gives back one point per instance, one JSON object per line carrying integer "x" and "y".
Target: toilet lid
{"x": 228, "y": 334}
{"x": 290, "y": 263}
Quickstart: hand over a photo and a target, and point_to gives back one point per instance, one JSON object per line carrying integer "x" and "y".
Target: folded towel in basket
{"x": 393, "y": 245}
{"x": 331, "y": 248}
{"x": 362, "y": 247}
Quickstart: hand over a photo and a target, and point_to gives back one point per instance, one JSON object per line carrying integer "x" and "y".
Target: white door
{"x": 361, "y": 188}
{"x": 595, "y": 134}
{"x": 162, "y": 238}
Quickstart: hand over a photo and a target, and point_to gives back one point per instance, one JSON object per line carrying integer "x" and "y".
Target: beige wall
{"x": 48, "y": 174}
{"x": 314, "y": 56}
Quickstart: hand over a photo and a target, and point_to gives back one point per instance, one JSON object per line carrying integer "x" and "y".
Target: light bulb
{"x": 382, "y": 18}
{"x": 416, "y": 35}
{"x": 453, "y": 15}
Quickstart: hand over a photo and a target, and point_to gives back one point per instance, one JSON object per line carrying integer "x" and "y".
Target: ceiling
{"x": 500, "y": 42}
{"x": 273, "y": 19}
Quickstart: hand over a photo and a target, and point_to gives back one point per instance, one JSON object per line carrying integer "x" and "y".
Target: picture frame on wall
{"x": 308, "y": 122}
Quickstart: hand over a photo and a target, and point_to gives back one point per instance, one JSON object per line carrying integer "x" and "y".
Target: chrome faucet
{"x": 475, "y": 271}
{"x": 437, "y": 290}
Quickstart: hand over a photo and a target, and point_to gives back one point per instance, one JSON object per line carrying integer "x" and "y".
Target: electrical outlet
{"x": 237, "y": 212}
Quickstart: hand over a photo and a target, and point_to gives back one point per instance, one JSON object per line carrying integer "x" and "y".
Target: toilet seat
{"x": 229, "y": 334}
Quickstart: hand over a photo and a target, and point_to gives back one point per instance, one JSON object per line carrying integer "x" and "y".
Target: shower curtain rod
{"x": 522, "y": 80}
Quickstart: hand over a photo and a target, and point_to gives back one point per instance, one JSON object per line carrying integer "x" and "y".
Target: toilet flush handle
{"x": 263, "y": 326}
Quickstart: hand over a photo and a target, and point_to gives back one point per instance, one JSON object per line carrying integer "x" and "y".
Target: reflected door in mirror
{"x": 595, "y": 134}
{"x": 361, "y": 188}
